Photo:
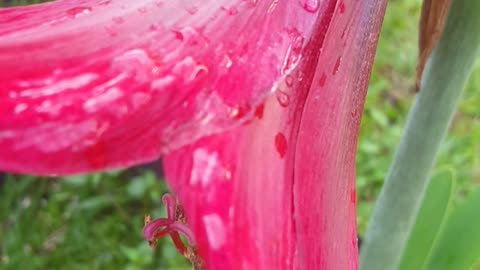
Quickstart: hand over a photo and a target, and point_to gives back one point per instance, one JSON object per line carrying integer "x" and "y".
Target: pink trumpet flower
{"x": 254, "y": 105}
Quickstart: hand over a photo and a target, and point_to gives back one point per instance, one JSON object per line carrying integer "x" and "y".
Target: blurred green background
{"x": 95, "y": 221}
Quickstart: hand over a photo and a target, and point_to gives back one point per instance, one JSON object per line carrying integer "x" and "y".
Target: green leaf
{"x": 429, "y": 221}
{"x": 444, "y": 78}
{"x": 458, "y": 246}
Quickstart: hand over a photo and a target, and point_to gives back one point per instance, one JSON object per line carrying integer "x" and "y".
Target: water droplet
{"x": 323, "y": 80}
{"x": 283, "y": 98}
{"x": 230, "y": 11}
{"x": 227, "y": 61}
{"x": 198, "y": 71}
{"x": 337, "y": 65}
{"x": 353, "y": 114}
{"x": 300, "y": 76}
{"x": 272, "y": 6}
{"x": 353, "y": 196}
{"x": 78, "y": 11}
{"x": 238, "y": 111}
{"x": 252, "y": 3}
{"x": 289, "y": 80}
{"x": 118, "y": 20}
{"x": 294, "y": 52}
{"x": 281, "y": 144}
{"x": 259, "y": 111}
{"x": 343, "y": 33}
{"x": 142, "y": 9}
{"x": 154, "y": 27}
{"x": 310, "y": 5}
{"x": 341, "y": 7}
{"x": 178, "y": 35}
{"x": 105, "y": 2}
{"x": 96, "y": 156}
{"x": 191, "y": 36}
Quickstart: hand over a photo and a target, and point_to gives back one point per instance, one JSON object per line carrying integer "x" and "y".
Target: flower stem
{"x": 444, "y": 78}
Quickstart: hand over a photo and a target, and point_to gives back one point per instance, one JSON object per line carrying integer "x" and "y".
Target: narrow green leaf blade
{"x": 458, "y": 246}
{"x": 429, "y": 222}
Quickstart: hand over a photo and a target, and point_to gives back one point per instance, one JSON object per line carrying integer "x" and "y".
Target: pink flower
{"x": 255, "y": 106}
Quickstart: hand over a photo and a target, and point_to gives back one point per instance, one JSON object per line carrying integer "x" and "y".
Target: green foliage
{"x": 445, "y": 236}
{"x": 458, "y": 246}
{"x": 83, "y": 222}
{"x": 9, "y": 3}
{"x": 429, "y": 222}
{"x": 445, "y": 76}
{"x": 390, "y": 94}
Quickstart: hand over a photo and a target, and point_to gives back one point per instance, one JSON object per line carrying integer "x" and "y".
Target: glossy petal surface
{"x": 279, "y": 192}
{"x": 87, "y": 85}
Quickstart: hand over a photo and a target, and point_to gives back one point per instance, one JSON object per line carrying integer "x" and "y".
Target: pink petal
{"x": 279, "y": 193}
{"x": 87, "y": 85}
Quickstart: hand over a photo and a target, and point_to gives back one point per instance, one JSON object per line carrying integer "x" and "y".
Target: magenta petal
{"x": 279, "y": 192}
{"x": 87, "y": 85}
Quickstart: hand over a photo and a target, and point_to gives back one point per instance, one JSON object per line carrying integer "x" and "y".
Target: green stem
{"x": 444, "y": 78}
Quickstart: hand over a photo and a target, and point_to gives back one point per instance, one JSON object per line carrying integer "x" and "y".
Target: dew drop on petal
{"x": 230, "y": 11}
{"x": 259, "y": 111}
{"x": 227, "y": 61}
{"x": 323, "y": 79}
{"x": 353, "y": 196}
{"x": 310, "y": 5}
{"x": 294, "y": 51}
{"x": 289, "y": 80}
{"x": 300, "y": 76}
{"x": 154, "y": 27}
{"x": 337, "y": 65}
{"x": 281, "y": 144}
{"x": 273, "y": 6}
{"x": 78, "y": 11}
{"x": 238, "y": 111}
{"x": 283, "y": 98}
{"x": 341, "y": 7}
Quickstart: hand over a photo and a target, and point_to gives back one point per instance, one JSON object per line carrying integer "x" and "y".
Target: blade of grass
{"x": 445, "y": 75}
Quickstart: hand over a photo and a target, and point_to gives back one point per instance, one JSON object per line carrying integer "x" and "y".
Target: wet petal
{"x": 87, "y": 85}
{"x": 279, "y": 193}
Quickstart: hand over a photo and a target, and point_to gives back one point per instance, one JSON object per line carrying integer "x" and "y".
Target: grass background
{"x": 95, "y": 221}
